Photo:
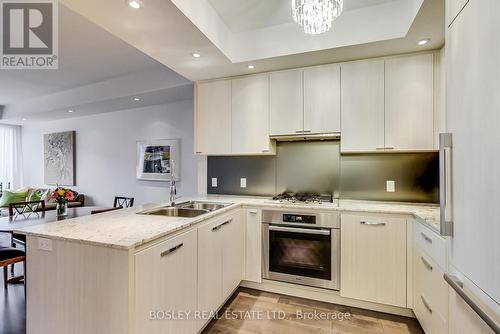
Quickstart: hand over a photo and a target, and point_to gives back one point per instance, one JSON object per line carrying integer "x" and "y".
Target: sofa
{"x": 35, "y": 194}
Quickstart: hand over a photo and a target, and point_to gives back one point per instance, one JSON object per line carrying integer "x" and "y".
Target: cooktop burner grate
{"x": 305, "y": 197}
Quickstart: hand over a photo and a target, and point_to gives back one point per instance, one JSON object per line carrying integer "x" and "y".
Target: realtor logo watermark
{"x": 29, "y": 34}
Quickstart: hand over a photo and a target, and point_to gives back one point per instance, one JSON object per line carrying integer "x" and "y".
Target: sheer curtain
{"x": 11, "y": 169}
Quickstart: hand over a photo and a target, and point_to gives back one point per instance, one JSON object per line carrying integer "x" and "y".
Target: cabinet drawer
{"x": 431, "y": 321}
{"x": 429, "y": 283}
{"x": 430, "y": 243}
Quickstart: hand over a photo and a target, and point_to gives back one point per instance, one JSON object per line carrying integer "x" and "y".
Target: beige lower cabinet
{"x": 165, "y": 280}
{"x": 430, "y": 290}
{"x": 220, "y": 262}
{"x": 253, "y": 245}
{"x": 373, "y": 258}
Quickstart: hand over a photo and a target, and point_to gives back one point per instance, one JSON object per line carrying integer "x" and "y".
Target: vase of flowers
{"x": 62, "y": 196}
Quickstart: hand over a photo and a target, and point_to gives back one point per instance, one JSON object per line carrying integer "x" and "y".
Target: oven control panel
{"x": 299, "y": 219}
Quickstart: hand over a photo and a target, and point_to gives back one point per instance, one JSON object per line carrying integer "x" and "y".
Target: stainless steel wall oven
{"x": 302, "y": 248}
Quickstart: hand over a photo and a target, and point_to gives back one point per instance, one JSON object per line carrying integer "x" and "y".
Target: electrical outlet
{"x": 45, "y": 244}
{"x": 214, "y": 182}
{"x": 243, "y": 182}
{"x": 391, "y": 186}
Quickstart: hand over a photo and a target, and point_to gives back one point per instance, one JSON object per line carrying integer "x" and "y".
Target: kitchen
{"x": 361, "y": 183}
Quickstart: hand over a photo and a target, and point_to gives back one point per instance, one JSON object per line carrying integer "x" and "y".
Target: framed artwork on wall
{"x": 59, "y": 158}
{"x": 154, "y": 159}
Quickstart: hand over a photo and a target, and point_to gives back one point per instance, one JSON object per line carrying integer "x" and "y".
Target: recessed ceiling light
{"x": 24, "y": 119}
{"x": 70, "y": 111}
{"x": 196, "y": 55}
{"x": 423, "y": 41}
{"x": 136, "y": 99}
{"x": 136, "y": 4}
{"x": 251, "y": 67}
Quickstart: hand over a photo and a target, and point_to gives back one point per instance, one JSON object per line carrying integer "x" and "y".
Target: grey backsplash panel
{"x": 364, "y": 176}
{"x": 318, "y": 166}
{"x": 260, "y": 173}
{"x": 311, "y": 166}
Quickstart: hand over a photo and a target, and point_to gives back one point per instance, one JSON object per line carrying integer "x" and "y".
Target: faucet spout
{"x": 173, "y": 188}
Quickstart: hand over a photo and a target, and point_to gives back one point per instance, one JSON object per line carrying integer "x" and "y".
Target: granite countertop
{"x": 125, "y": 229}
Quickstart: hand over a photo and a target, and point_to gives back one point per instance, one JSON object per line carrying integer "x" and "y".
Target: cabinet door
{"x": 209, "y": 267}
{"x": 373, "y": 266}
{"x": 362, "y": 105}
{"x": 322, "y": 99}
{"x": 286, "y": 103}
{"x": 409, "y": 103}
{"x": 253, "y": 244}
{"x": 232, "y": 253}
{"x": 250, "y": 115}
{"x": 165, "y": 279}
{"x": 213, "y": 117}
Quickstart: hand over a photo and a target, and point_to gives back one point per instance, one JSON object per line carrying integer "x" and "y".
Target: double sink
{"x": 188, "y": 209}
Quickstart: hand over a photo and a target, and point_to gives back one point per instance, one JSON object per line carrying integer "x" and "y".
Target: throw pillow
{"x": 9, "y": 196}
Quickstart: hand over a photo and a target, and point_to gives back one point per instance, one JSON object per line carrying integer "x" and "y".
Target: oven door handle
{"x": 299, "y": 230}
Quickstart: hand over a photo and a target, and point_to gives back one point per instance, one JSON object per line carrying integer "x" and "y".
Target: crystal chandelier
{"x": 316, "y": 16}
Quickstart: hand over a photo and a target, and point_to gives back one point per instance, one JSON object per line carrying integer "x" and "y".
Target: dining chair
{"x": 20, "y": 208}
{"x": 10, "y": 256}
{"x": 96, "y": 211}
{"x": 124, "y": 202}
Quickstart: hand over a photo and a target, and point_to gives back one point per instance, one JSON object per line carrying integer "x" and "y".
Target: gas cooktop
{"x": 303, "y": 197}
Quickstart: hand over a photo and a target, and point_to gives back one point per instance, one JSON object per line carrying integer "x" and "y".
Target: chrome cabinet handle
{"x": 426, "y": 237}
{"x": 299, "y": 230}
{"x": 299, "y": 131}
{"x": 380, "y": 148}
{"x": 252, "y": 212}
{"x": 266, "y": 150}
{"x": 426, "y": 304}
{"x": 389, "y": 147}
{"x": 171, "y": 250}
{"x": 306, "y": 131}
{"x": 371, "y": 223}
{"x": 426, "y": 263}
{"x": 458, "y": 286}
{"x": 218, "y": 227}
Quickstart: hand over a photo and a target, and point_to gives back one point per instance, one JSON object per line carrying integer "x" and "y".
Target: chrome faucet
{"x": 173, "y": 189}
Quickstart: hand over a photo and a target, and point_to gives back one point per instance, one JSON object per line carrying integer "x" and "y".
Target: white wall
{"x": 106, "y": 151}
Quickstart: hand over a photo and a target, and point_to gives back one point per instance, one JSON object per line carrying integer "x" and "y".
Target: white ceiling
{"x": 244, "y": 15}
{"x": 88, "y": 57}
{"x": 171, "y": 30}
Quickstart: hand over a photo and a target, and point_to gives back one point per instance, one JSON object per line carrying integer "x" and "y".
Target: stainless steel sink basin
{"x": 175, "y": 212}
{"x": 199, "y": 205}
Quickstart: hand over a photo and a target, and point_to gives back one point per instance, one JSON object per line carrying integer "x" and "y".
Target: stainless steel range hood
{"x": 308, "y": 136}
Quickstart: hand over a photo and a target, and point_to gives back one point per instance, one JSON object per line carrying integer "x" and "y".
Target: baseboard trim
{"x": 323, "y": 295}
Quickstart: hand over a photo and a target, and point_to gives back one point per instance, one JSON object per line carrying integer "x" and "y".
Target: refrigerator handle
{"x": 445, "y": 184}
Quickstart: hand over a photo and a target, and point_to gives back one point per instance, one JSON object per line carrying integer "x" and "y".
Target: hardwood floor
{"x": 241, "y": 315}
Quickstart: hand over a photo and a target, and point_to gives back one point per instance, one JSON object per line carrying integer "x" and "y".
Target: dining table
{"x": 12, "y": 223}
{"x": 19, "y": 221}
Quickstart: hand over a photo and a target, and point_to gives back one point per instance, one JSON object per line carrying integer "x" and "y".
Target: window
{"x": 10, "y": 156}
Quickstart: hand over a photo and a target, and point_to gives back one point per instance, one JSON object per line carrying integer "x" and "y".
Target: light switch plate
{"x": 391, "y": 186}
{"x": 214, "y": 182}
{"x": 45, "y": 244}
{"x": 243, "y": 182}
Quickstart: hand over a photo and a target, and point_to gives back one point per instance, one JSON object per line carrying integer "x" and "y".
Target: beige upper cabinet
{"x": 286, "y": 103}
{"x": 409, "y": 103}
{"x": 322, "y": 99}
{"x": 213, "y": 117}
{"x": 362, "y": 105}
{"x": 250, "y": 115}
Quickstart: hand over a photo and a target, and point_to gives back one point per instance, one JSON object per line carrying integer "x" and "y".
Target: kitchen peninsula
{"x": 110, "y": 272}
